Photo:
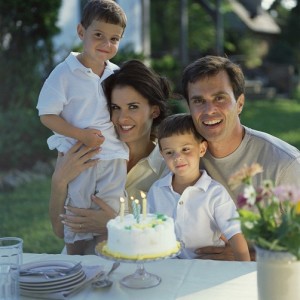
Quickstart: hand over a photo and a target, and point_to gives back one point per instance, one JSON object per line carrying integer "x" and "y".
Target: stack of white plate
{"x": 56, "y": 282}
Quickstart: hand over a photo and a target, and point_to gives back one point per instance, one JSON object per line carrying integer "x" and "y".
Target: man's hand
{"x": 215, "y": 253}
{"x": 68, "y": 166}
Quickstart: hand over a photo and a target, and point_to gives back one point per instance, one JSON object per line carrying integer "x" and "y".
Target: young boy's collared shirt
{"x": 201, "y": 214}
{"x": 75, "y": 93}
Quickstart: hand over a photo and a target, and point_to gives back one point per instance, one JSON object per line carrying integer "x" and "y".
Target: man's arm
{"x": 239, "y": 247}
{"x": 221, "y": 253}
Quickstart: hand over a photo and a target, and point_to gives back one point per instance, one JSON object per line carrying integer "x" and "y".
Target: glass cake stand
{"x": 140, "y": 279}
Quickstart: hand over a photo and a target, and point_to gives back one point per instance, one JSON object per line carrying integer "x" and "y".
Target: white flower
{"x": 250, "y": 195}
{"x": 273, "y": 220}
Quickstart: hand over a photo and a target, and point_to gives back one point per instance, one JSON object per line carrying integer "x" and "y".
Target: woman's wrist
{"x": 60, "y": 183}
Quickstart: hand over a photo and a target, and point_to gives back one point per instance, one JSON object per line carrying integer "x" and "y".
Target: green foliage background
{"x": 24, "y": 213}
{"x": 27, "y": 29}
{"x": 26, "y": 57}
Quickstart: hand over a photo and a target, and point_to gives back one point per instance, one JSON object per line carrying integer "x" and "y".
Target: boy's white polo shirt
{"x": 75, "y": 93}
{"x": 200, "y": 214}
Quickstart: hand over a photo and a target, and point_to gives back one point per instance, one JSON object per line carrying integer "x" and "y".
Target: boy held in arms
{"x": 72, "y": 104}
{"x": 202, "y": 209}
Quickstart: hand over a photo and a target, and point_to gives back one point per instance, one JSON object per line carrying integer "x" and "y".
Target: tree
{"x": 291, "y": 31}
{"x": 26, "y": 50}
{"x": 26, "y": 58}
{"x": 285, "y": 48}
{"x": 165, "y": 29}
{"x": 166, "y": 36}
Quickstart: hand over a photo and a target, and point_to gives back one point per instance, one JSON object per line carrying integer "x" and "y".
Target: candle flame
{"x": 143, "y": 195}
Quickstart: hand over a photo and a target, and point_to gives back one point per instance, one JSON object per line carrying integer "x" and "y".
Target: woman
{"x": 137, "y": 98}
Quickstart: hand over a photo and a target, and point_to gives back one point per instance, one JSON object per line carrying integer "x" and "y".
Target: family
{"x": 115, "y": 137}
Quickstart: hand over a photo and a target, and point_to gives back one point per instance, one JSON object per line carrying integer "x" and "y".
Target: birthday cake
{"x": 151, "y": 237}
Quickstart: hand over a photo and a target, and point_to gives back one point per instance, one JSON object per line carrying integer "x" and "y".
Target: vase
{"x": 278, "y": 275}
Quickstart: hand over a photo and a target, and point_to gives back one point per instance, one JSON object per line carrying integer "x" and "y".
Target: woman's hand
{"x": 68, "y": 166}
{"x": 89, "y": 220}
{"x": 76, "y": 160}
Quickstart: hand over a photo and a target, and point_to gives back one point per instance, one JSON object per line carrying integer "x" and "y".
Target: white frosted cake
{"x": 152, "y": 237}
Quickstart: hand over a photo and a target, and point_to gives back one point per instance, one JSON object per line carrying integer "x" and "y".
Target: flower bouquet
{"x": 269, "y": 215}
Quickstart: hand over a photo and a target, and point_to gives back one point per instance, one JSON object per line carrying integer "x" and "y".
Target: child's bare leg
{"x": 77, "y": 248}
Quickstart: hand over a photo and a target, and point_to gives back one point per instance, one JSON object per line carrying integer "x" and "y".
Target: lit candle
{"x": 134, "y": 208}
{"x": 138, "y": 210}
{"x": 143, "y": 195}
{"x": 122, "y": 208}
{"x": 132, "y": 200}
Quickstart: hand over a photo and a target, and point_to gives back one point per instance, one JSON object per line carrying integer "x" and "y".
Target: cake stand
{"x": 140, "y": 279}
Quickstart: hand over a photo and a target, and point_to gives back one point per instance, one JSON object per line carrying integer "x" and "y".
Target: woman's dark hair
{"x": 144, "y": 80}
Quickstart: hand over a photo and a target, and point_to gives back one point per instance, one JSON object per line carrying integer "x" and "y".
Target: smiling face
{"x": 182, "y": 153}
{"x": 132, "y": 115}
{"x": 100, "y": 42}
{"x": 215, "y": 111}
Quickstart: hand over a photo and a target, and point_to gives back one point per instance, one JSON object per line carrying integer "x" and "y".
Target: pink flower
{"x": 272, "y": 219}
{"x": 287, "y": 193}
{"x": 241, "y": 201}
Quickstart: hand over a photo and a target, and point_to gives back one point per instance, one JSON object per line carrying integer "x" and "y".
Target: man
{"x": 215, "y": 91}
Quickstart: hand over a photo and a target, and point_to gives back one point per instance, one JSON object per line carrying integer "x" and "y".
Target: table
{"x": 181, "y": 279}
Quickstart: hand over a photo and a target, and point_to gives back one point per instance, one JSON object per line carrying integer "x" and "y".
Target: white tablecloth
{"x": 181, "y": 279}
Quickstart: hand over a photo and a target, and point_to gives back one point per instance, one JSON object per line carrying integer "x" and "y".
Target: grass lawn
{"x": 24, "y": 211}
{"x": 279, "y": 118}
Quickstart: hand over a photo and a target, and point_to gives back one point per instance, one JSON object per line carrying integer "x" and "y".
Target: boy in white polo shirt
{"x": 72, "y": 104}
{"x": 201, "y": 207}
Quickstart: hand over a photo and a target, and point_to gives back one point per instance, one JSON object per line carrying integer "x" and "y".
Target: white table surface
{"x": 181, "y": 279}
